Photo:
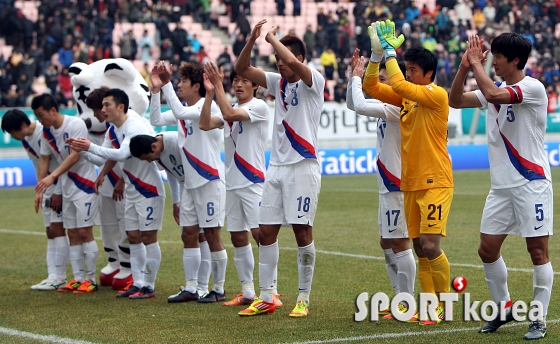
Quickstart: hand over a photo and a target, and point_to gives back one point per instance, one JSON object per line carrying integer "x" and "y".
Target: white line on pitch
{"x": 52, "y": 339}
{"x": 410, "y": 334}
{"x": 331, "y": 253}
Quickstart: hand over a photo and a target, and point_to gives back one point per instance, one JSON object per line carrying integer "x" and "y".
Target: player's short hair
{"x": 296, "y": 45}
{"x": 141, "y": 144}
{"x": 94, "y": 100}
{"x": 234, "y": 74}
{"x": 402, "y": 66}
{"x": 195, "y": 74}
{"x": 119, "y": 97}
{"x": 13, "y": 120}
{"x": 423, "y": 58}
{"x": 512, "y": 45}
{"x": 46, "y": 101}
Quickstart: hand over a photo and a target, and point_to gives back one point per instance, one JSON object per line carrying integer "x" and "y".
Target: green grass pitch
{"x": 346, "y": 222}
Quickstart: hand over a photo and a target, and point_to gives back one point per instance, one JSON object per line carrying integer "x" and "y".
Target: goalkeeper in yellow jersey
{"x": 426, "y": 179}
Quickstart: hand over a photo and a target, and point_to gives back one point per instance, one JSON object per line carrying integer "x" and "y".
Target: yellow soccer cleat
{"x": 258, "y": 307}
{"x": 300, "y": 310}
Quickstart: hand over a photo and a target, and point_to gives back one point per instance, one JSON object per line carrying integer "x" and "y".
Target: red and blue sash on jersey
{"x": 29, "y": 148}
{"x": 283, "y": 85}
{"x": 526, "y": 168}
{"x": 50, "y": 139}
{"x": 83, "y": 184}
{"x": 201, "y": 168}
{"x": 147, "y": 190}
{"x": 114, "y": 139}
{"x": 391, "y": 182}
{"x": 304, "y": 148}
{"x": 250, "y": 172}
{"x": 113, "y": 177}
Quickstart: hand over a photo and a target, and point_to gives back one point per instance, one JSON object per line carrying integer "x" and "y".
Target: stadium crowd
{"x": 83, "y": 31}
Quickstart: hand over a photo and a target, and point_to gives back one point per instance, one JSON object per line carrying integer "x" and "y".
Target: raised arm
{"x": 228, "y": 112}
{"x": 292, "y": 61}
{"x": 207, "y": 121}
{"x": 457, "y": 98}
{"x": 243, "y": 64}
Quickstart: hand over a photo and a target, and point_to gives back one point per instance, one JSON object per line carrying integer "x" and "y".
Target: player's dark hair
{"x": 295, "y": 44}
{"x": 402, "y": 66}
{"x": 46, "y": 101}
{"x": 13, "y": 120}
{"x": 195, "y": 74}
{"x": 423, "y": 58}
{"x": 141, "y": 144}
{"x": 512, "y": 45}
{"x": 119, "y": 97}
{"x": 234, "y": 74}
{"x": 94, "y": 100}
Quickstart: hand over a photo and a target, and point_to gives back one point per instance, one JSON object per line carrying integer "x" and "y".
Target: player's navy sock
{"x": 306, "y": 266}
{"x": 268, "y": 260}
{"x": 153, "y": 260}
{"x": 406, "y": 271}
{"x": 245, "y": 264}
{"x": 191, "y": 264}
{"x": 219, "y": 264}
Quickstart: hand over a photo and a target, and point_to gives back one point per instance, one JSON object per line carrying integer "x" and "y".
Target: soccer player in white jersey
{"x": 203, "y": 197}
{"x": 166, "y": 152}
{"x": 245, "y": 135}
{"x": 393, "y": 231}
{"x": 80, "y": 203}
{"x": 520, "y": 198}
{"x": 115, "y": 241}
{"x": 17, "y": 124}
{"x": 144, "y": 192}
{"x": 293, "y": 180}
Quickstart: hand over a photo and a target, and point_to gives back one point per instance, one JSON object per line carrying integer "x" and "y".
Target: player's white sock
{"x": 219, "y": 264}
{"x": 62, "y": 253}
{"x": 191, "y": 264}
{"x": 275, "y": 281}
{"x": 124, "y": 259}
{"x": 153, "y": 260}
{"x": 496, "y": 279}
{"x": 406, "y": 271}
{"x": 542, "y": 284}
{"x": 204, "y": 269}
{"x": 306, "y": 265}
{"x": 110, "y": 236}
{"x": 138, "y": 263}
{"x": 245, "y": 264}
{"x": 268, "y": 260}
{"x": 91, "y": 252}
{"x": 391, "y": 266}
{"x": 77, "y": 262}
{"x": 51, "y": 259}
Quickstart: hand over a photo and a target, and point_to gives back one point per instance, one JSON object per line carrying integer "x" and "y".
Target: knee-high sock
{"x": 219, "y": 265}
{"x": 306, "y": 266}
{"x": 205, "y": 268}
{"x": 191, "y": 265}
{"x": 138, "y": 263}
{"x": 245, "y": 264}
{"x": 91, "y": 252}
{"x": 543, "y": 278}
{"x": 77, "y": 262}
{"x": 406, "y": 271}
{"x": 62, "y": 253}
{"x": 51, "y": 259}
{"x": 391, "y": 267}
{"x": 425, "y": 276}
{"x": 441, "y": 274}
{"x": 496, "y": 278}
{"x": 110, "y": 235}
{"x": 124, "y": 252}
{"x": 153, "y": 260}
{"x": 268, "y": 260}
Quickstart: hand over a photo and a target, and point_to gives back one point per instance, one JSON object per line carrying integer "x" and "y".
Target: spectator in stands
{"x": 552, "y": 99}
{"x": 224, "y": 60}
{"x": 134, "y": 12}
{"x": 412, "y": 12}
{"x": 195, "y": 44}
{"x": 128, "y": 45}
{"x": 51, "y": 78}
{"x": 239, "y": 44}
{"x": 11, "y": 99}
{"x": 24, "y": 83}
{"x": 321, "y": 17}
{"x": 146, "y": 43}
{"x": 444, "y": 79}
{"x": 479, "y": 19}
{"x": 5, "y": 80}
{"x": 297, "y": 8}
{"x": 340, "y": 92}
{"x": 243, "y": 24}
{"x": 202, "y": 56}
{"x": 280, "y": 7}
{"x": 309, "y": 40}
{"x": 166, "y": 49}
{"x": 65, "y": 55}
{"x": 28, "y": 66}
{"x": 145, "y": 72}
{"x": 429, "y": 42}
{"x": 342, "y": 43}
{"x": 321, "y": 39}
{"x": 328, "y": 61}
{"x": 179, "y": 38}
{"x": 65, "y": 84}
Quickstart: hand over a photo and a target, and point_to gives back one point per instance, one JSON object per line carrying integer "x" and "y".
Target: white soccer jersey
{"x": 32, "y": 145}
{"x": 201, "y": 149}
{"x": 245, "y": 144}
{"x": 80, "y": 178}
{"x": 388, "y": 145}
{"x": 171, "y": 162}
{"x": 296, "y": 117}
{"x": 516, "y": 135}
{"x": 142, "y": 178}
